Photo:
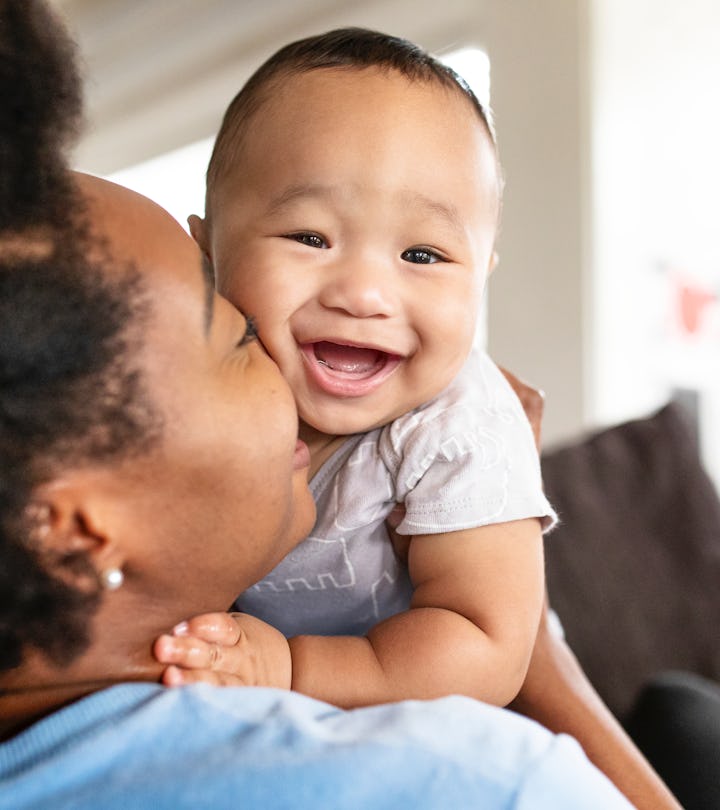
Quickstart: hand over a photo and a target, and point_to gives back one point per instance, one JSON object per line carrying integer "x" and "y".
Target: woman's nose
{"x": 362, "y": 290}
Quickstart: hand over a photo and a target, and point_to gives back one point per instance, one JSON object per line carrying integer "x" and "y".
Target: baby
{"x": 352, "y": 207}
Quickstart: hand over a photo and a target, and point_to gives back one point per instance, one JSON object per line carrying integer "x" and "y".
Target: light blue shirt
{"x": 138, "y": 746}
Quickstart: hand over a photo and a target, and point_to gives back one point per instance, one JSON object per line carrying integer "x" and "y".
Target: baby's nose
{"x": 362, "y": 290}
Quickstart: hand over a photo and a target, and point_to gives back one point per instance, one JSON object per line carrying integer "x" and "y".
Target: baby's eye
{"x": 250, "y": 331}
{"x": 420, "y": 255}
{"x": 310, "y": 239}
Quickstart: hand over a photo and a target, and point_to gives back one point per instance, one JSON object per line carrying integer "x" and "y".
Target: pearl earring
{"x": 112, "y": 579}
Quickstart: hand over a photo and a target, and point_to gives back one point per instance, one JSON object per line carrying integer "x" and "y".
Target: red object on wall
{"x": 692, "y": 303}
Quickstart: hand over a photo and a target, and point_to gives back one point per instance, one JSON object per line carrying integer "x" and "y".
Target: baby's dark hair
{"x": 69, "y": 394}
{"x": 356, "y": 48}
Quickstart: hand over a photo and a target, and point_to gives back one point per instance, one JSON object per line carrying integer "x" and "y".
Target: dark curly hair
{"x": 341, "y": 48}
{"x": 68, "y": 391}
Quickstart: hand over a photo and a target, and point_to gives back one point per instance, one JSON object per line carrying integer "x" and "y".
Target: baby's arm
{"x": 471, "y": 628}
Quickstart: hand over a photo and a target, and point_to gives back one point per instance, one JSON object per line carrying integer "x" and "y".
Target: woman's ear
{"x": 198, "y": 231}
{"x": 69, "y": 530}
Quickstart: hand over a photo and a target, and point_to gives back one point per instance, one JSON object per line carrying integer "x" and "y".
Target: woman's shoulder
{"x": 139, "y": 745}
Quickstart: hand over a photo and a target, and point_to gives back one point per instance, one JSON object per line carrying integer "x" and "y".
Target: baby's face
{"x": 357, "y": 227}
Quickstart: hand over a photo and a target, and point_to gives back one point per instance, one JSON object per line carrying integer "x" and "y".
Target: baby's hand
{"x": 225, "y": 649}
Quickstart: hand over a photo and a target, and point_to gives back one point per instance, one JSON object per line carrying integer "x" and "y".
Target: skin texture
{"x": 213, "y": 507}
{"x": 361, "y": 212}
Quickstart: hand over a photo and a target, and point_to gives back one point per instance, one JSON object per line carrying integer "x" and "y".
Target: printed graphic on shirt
{"x": 327, "y": 565}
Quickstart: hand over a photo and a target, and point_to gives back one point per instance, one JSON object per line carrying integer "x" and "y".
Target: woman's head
{"x": 140, "y": 427}
{"x": 69, "y": 394}
{"x": 222, "y": 495}
{"x": 62, "y": 325}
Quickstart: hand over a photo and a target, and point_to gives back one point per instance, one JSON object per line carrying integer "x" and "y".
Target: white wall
{"x": 656, "y": 181}
{"x": 609, "y": 129}
{"x": 538, "y": 317}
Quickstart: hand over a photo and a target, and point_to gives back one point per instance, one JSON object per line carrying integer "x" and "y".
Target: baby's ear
{"x": 198, "y": 231}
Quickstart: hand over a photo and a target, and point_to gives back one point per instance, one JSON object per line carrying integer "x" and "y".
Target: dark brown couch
{"x": 634, "y": 567}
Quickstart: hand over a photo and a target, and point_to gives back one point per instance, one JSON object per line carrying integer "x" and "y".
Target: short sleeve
{"x": 467, "y": 458}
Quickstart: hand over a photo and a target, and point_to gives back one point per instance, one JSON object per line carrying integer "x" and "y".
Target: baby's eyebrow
{"x": 446, "y": 211}
{"x": 300, "y": 191}
{"x": 407, "y": 198}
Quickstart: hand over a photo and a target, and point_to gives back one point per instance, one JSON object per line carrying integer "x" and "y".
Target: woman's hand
{"x": 225, "y": 649}
{"x": 532, "y": 400}
{"x": 558, "y": 694}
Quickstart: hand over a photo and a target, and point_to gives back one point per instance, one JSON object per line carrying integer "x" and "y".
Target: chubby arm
{"x": 470, "y": 629}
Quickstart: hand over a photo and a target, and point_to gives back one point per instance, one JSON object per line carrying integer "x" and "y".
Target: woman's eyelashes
{"x": 250, "y": 331}
{"x": 421, "y": 255}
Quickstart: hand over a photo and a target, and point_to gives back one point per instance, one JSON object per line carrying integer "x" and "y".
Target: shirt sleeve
{"x": 467, "y": 458}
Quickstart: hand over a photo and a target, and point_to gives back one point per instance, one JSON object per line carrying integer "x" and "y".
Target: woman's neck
{"x": 38, "y": 686}
{"x": 123, "y": 631}
{"x": 23, "y": 705}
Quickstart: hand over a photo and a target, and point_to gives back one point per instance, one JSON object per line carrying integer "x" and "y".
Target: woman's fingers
{"x": 533, "y": 401}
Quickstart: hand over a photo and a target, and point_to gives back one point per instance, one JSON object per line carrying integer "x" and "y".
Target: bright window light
{"x": 175, "y": 180}
{"x": 474, "y": 66}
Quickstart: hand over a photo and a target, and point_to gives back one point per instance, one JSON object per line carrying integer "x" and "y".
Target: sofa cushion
{"x": 634, "y": 567}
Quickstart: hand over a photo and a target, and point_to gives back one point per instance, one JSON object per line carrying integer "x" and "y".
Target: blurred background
{"x": 607, "y": 295}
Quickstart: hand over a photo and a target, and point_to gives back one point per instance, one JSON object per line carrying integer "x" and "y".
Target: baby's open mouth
{"x": 354, "y": 360}
{"x": 348, "y": 371}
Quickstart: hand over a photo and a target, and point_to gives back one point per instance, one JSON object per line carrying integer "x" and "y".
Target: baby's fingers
{"x": 174, "y": 676}
{"x": 220, "y": 628}
{"x": 194, "y": 653}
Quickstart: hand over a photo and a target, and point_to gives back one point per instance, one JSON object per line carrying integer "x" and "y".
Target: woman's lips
{"x": 301, "y": 459}
{"x": 345, "y": 370}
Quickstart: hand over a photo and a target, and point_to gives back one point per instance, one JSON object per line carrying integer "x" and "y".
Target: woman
{"x": 130, "y": 431}
{"x": 135, "y": 407}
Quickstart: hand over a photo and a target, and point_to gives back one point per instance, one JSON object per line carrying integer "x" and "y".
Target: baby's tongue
{"x": 349, "y": 359}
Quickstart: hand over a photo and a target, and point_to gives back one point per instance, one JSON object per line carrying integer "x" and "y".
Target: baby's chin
{"x": 347, "y": 419}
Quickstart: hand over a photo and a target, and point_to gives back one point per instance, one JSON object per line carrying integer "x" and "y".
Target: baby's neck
{"x": 321, "y": 446}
